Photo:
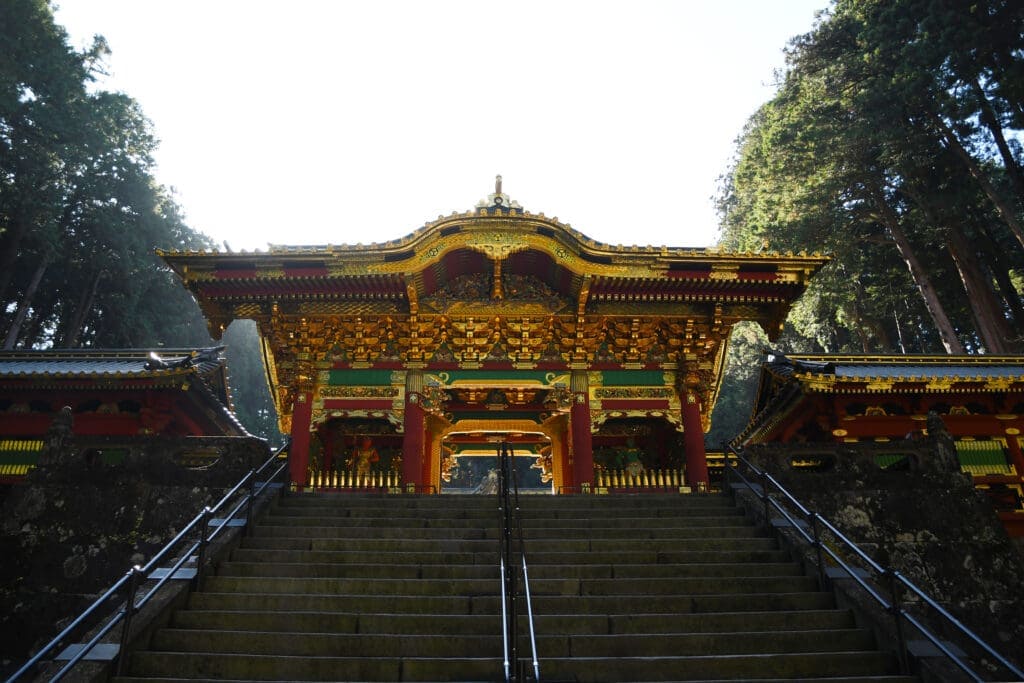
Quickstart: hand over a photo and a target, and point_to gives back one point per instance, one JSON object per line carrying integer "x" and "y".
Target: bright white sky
{"x": 310, "y": 122}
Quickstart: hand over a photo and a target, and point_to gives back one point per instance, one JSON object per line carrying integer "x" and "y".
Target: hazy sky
{"x": 352, "y": 122}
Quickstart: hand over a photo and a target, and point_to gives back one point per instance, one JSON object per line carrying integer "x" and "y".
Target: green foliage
{"x": 892, "y": 145}
{"x": 250, "y": 390}
{"x": 876, "y": 151}
{"x": 742, "y": 367}
{"x": 80, "y": 213}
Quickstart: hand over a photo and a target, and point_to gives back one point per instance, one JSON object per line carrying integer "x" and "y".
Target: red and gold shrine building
{"x": 111, "y": 393}
{"x": 413, "y": 355}
{"x": 814, "y": 398}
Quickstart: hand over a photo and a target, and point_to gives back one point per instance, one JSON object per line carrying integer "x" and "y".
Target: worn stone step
{"x": 494, "y": 533}
{"x": 490, "y": 604}
{"x": 530, "y": 523}
{"x": 553, "y": 586}
{"x": 536, "y": 559}
{"x": 249, "y": 667}
{"x": 393, "y": 645}
{"x": 548, "y": 646}
{"x": 829, "y": 679}
{"x": 404, "y": 604}
{"x": 487, "y": 571}
{"x": 802, "y": 666}
{"x": 694, "y": 644}
{"x": 380, "y": 624}
{"x": 583, "y": 544}
{"x": 383, "y": 623}
{"x": 369, "y": 588}
{"x": 530, "y": 501}
{"x": 660, "y": 604}
{"x": 691, "y": 586}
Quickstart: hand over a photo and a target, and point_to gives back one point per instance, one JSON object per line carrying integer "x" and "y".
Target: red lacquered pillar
{"x": 298, "y": 451}
{"x": 693, "y": 439}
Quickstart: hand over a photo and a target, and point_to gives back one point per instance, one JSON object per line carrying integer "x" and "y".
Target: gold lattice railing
{"x": 654, "y": 480}
{"x": 352, "y": 480}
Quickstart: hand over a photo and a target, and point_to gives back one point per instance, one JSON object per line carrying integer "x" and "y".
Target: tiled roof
{"x": 923, "y": 371}
{"x": 899, "y": 367}
{"x": 132, "y": 363}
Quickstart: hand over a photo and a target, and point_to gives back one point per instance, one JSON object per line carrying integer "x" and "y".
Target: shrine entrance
{"x": 495, "y": 321}
{"x": 469, "y": 462}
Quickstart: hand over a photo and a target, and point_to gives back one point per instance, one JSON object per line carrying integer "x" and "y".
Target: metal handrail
{"x": 510, "y": 518}
{"x": 897, "y": 582}
{"x": 136, "y": 574}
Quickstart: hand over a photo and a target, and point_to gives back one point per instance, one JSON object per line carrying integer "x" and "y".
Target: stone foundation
{"x": 75, "y": 525}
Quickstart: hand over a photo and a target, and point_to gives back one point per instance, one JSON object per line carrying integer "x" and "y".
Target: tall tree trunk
{"x": 889, "y": 218}
{"x": 1001, "y": 272}
{"x": 40, "y": 316}
{"x": 986, "y": 311}
{"x": 899, "y": 330}
{"x": 991, "y": 121}
{"x": 1006, "y": 211}
{"x": 85, "y": 302}
{"x": 9, "y": 253}
{"x": 26, "y": 302}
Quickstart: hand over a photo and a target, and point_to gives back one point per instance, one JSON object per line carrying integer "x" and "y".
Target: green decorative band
{"x": 358, "y": 377}
{"x": 634, "y": 378}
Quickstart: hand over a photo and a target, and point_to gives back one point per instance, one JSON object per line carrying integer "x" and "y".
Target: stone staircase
{"x": 405, "y": 588}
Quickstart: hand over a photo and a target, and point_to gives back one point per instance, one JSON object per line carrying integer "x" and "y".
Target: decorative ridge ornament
{"x": 498, "y": 202}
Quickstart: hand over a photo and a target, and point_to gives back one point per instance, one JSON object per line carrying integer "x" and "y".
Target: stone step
{"x": 392, "y": 645}
{"x": 490, "y": 604}
{"x": 829, "y": 679}
{"x": 695, "y": 644}
{"x": 272, "y": 529}
{"x": 539, "y": 522}
{"x": 577, "y": 545}
{"x": 802, "y": 666}
{"x": 526, "y": 502}
{"x": 388, "y": 588}
{"x": 399, "y": 570}
{"x": 536, "y": 559}
{"x": 255, "y": 667}
{"x": 490, "y": 645}
{"x": 471, "y": 624}
{"x": 556, "y": 586}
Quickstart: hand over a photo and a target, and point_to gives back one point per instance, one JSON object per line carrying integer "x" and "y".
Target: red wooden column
{"x": 298, "y": 451}
{"x": 568, "y": 476}
{"x": 693, "y": 440}
{"x": 413, "y": 441}
{"x": 1016, "y": 456}
{"x": 582, "y": 442}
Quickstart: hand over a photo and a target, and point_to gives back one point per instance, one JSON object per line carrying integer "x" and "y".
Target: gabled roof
{"x": 786, "y": 379}
{"x": 394, "y": 276}
{"x": 818, "y": 371}
{"x": 78, "y": 369}
{"x": 110, "y": 363}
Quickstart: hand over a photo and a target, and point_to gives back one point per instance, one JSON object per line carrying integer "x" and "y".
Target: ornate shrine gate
{"x": 398, "y": 357}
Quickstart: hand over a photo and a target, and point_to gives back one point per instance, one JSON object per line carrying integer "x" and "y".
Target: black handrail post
{"x": 896, "y": 608}
{"x": 252, "y": 500}
{"x": 129, "y": 609}
{"x": 513, "y": 612}
{"x": 764, "y": 499}
{"x": 816, "y": 531}
{"x": 204, "y": 525}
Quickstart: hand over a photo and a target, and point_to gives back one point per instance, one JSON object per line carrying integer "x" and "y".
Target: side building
{"x": 109, "y": 393}
{"x": 830, "y": 399}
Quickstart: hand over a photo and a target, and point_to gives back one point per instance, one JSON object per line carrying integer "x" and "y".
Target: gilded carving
{"x": 359, "y": 392}
{"x": 634, "y": 392}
